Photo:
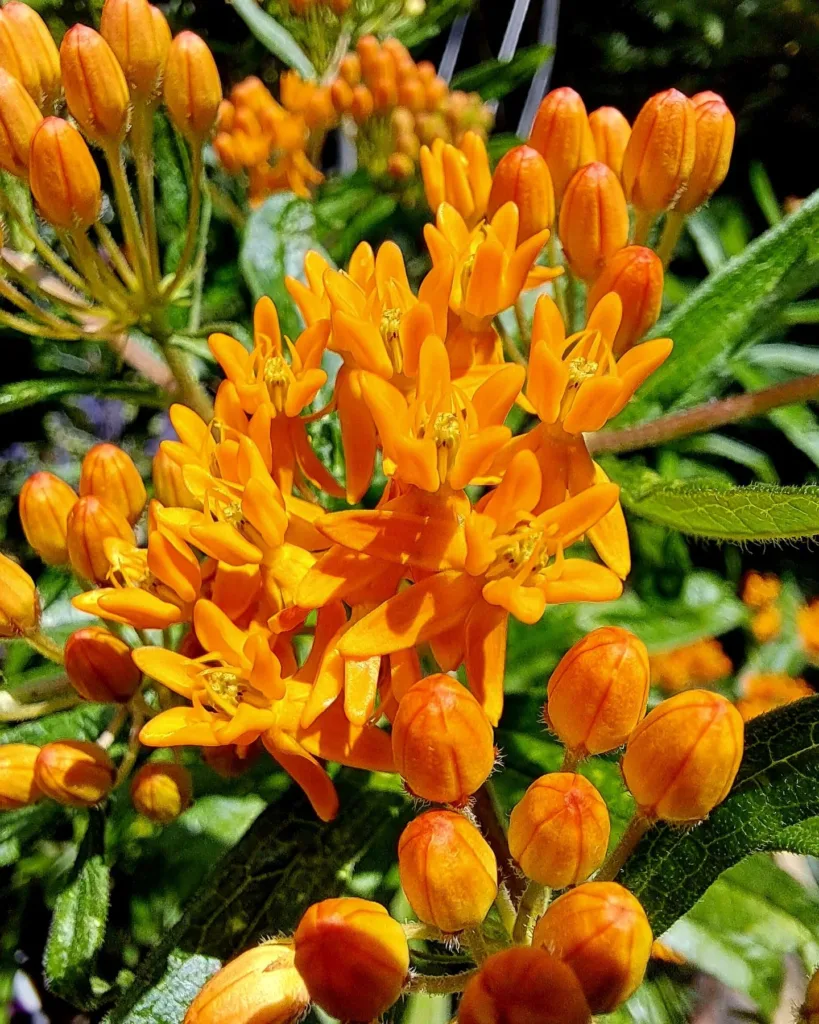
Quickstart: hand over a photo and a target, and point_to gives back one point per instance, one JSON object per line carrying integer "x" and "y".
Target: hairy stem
{"x": 671, "y": 235}
{"x": 142, "y": 146}
{"x": 532, "y": 905}
{"x": 44, "y": 645}
{"x": 441, "y": 984}
{"x": 635, "y": 830}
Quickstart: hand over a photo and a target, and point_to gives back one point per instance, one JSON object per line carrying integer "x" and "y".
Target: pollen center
{"x": 581, "y": 369}
{"x": 277, "y": 378}
{"x": 390, "y": 329}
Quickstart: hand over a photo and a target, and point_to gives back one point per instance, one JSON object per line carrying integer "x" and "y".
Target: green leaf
{"x": 760, "y": 464}
{"x": 84, "y": 722}
{"x": 796, "y": 422}
{"x": 731, "y": 309}
{"x": 287, "y": 860}
{"x": 278, "y": 235}
{"x": 764, "y": 193}
{"x": 775, "y": 792}
{"x": 495, "y": 78}
{"x": 78, "y": 924}
{"x": 24, "y": 393}
{"x": 274, "y": 37}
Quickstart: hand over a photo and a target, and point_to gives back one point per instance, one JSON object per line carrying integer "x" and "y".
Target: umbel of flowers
{"x": 236, "y": 556}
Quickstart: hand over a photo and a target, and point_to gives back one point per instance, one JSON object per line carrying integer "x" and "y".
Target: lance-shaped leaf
{"x": 274, "y": 37}
{"x": 495, "y": 78}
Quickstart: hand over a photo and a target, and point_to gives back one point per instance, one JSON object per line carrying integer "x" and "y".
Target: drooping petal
{"x": 358, "y": 436}
{"x": 448, "y": 647}
{"x": 305, "y": 771}
{"x": 360, "y": 686}
{"x": 485, "y": 656}
{"x": 131, "y": 607}
{"x": 173, "y": 670}
{"x": 333, "y": 737}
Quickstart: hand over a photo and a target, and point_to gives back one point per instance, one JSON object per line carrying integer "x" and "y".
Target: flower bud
{"x": 161, "y": 791}
{"x": 192, "y": 87}
{"x": 169, "y": 483}
{"x": 231, "y": 761}
{"x": 353, "y": 957}
{"x": 100, "y": 667}
{"x": 362, "y": 104}
{"x": 561, "y": 133}
{"x": 602, "y": 933}
{"x": 24, "y": 31}
{"x": 522, "y": 177}
{"x": 19, "y": 603}
{"x": 349, "y": 69}
{"x": 18, "y": 787}
{"x": 593, "y": 220}
{"x": 64, "y": 178}
{"x": 681, "y": 760}
{"x": 73, "y": 773}
{"x": 448, "y": 871}
{"x": 262, "y": 986}
{"x": 442, "y": 741}
{"x": 610, "y": 131}
{"x": 45, "y": 502}
{"x": 660, "y": 153}
{"x": 559, "y": 832}
{"x": 95, "y": 87}
{"x": 109, "y": 473}
{"x": 598, "y": 692}
{"x": 809, "y": 1011}
{"x": 715, "y": 130}
{"x": 90, "y": 524}
{"x": 19, "y": 120}
{"x": 636, "y": 274}
{"x": 140, "y": 41}
{"x": 520, "y": 985}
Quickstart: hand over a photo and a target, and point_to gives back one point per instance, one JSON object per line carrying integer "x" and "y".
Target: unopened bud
{"x": 95, "y": 87}
{"x": 602, "y": 933}
{"x": 100, "y": 667}
{"x": 45, "y": 502}
{"x": 660, "y": 153}
{"x": 350, "y": 69}
{"x": 523, "y": 984}
{"x": 231, "y": 761}
{"x": 561, "y": 133}
{"x": 262, "y": 986}
{"x": 636, "y": 274}
{"x": 682, "y": 759}
{"x": 169, "y": 483}
{"x": 140, "y": 42}
{"x": 362, "y": 104}
{"x": 809, "y": 1011}
{"x": 442, "y": 741}
{"x": 598, "y": 692}
{"x": 353, "y": 957}
{"x": 522, "y": 177}
{"x": 19, "y": 603}
{"x": 90, "y": 524}
{"x": 192, "y": 87}
{"x": 18, "y": 787}
{"x": 19, "y": 120}
{"x": 715, "y": 143}
{"x": 610, "y": 131}
{"x": 74, "y": 773}
{"x": 448, "y": 871}
{"x": 109, "y": 473}
{"x": 341, "y": 96}
{"x": 593, "y": 220}
{"x": 559, "y": 832}
{"x": 161, "y": 791}
{"x": 64, "y": 179}
{"x": 23, "y": 30}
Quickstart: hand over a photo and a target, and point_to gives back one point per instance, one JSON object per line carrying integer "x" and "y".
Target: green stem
{"x": 475, "y": 942}
{"x": 642, "y": 227}
{"x": 128, "y": 215}
{"x": 44, "y": 645}
{"x": 441, "y": 984}
{"x": 115, "y": 254}
{"x": 635, "y": 830}
{"x": 142, "y": 147}
{"x": 672, "y": 228}
{"x": 505, "y": 908}
{"x": 523, "y": 327}
{"x": 571, "y": 759}
{"x": 532, "y": 905}
{"x": 190, "y": 391}
{"x": 559, "y": 283}
{"x": 44, "y": 251}
{"x": 419, "y": 930}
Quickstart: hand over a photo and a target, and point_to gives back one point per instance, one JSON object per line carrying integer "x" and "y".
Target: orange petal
{"x": 358, "y": 437}
{"x": 235, "y": 588}
{"x": 334, "y": 738}
{"x": 527, "y": 604}
{"x": 173, "y": 670}
{"x": 548, "y": 380}
{"x": 337, "y": 572}
{"x": 519, "y": 491}
{"x": 425, "y": 541}
{"x": 309, "y": 463}
{"x": 485, "y": 656}
{"x": 305, "y": 771}
{"x": 496, "y": 396}
{"x": 231, "y": 355}
{"x": 217, "y": 634}
{"x": 593, "y": 404}
{"x": 329, "y": 683}
{"x": 222, "y": 542}
{"x": 266, "y": 332}
{"x": 131, "y": 607}
{"x": 180, "y": 727}
{"x": 360, "y": 685}
{"x": 582, "y": 581}
{"x": 172, "y": 561}
{"x": 448, "y": 648}
{"x": 405, "y": 670}
{"x": 475, "y": 455}
{"x": 610, "y": 536}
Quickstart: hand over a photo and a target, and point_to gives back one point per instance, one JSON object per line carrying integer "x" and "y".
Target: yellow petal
{"x": 180, "y": 727}
{"x": 305, "y": 771}
{"x": 527, "y": 604}
{"x": 173, "y": 670}
{"x": 485, "y": 656}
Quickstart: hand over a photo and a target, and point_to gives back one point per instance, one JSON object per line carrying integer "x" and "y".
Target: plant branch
{"x": 489, "y": 815}
{"x": 532, "y": 905}
{"x": 635, "y": 830}
{"x": 441, "y": 984}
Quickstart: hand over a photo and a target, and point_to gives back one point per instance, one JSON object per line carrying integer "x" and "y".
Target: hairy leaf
{"x": 796, "y": 422}
{"x": 495, "y": 78}
{"x": 274, "y": 37}
{"x": 774, "y": 797}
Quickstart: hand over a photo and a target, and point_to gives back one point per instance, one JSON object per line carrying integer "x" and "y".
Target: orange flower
{"x": 696, "y": 664}
{"x": 807, "y": 621}
{"x": 769, "y": 690}
{"x": 458, "y": 175}
{"x": 238, "y": 694}
{"x": 760, "y": 590}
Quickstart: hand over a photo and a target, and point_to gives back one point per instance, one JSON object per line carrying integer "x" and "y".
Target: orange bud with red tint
{"x": 95, "y": 87}
{"x": 602, "y": 933}
{"x": 598, "y": 692}
{"x": 353, "y": 957}
{"x": 442, "y": 741}
{"x": 161, "y": 791}
{"x": 521, "y": 985}
{"x": 611, "y": 132}
{"x": 45, "y": 502}
{"x": 448, "y": 871}
{"x": 341, "y": 96}
{"x": 660, "y": 153}
{"x": 137, "y": 37}
{"x": 522, "y": 177}
{"x": 349, "y": 69}
{"x": 19, "y": 603}
{"x": 18, "y": 787}
{"x": 362, "y": 104}
{"x": 169, "y": 483}
{"x": 593, "y": 219}
{"x": 19, "y": 120}
{"x": 561, "y": 133}
{"x": 90, "y": 524}
{"x": 715, "y": 142}
{"x": 35, "y": 55}
{"x": 682, "y": 759}
{"x": 192, "y": 88}
{"x": 73, "y": 773}
{"x": 636, "y": 274}
{"x": 559, "y": 832}
{"x": 109, "y": 473}
{"x": 262, "y": 986}
{"x": 100, "y": 667}
{"x": 64, "y": 179}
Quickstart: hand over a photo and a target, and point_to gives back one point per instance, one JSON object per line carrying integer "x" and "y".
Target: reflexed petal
{"x": 222, "y": 542}
{"x": 358, "y": 437}
{"x": 448, "y": 648}
{"x": 305, "y": 771}
{"x": 485, "y": 656}
{"x": 308, "y": 461}
{"x": 334, "y": 738}
{"x": 327, "y": 687}
{"x": 173, "y": 670}
{"x": 266, "y": 672}
{"x": 235, "y": 588}
{"x": 360, "y": 685}
{"x": 405, "y": 670}
{"x": 131, "y": 607}
{"x": 580, "y": 580}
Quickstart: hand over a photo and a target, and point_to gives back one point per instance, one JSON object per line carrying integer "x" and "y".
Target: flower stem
{"x": 671, "y": 234}
{"x": 190, "y": 390}
{"x": 490, "y": 817}
{"x": 142, "y": 147}
{"x": 571, "y": 760}
{"x": 441, "y": 984}
{"x": 703, "y": 417}
{"x": 505, "y": 908}
{"x": 635, "y": 830}
{"x": 44, "y": 645}
{"x": 534, "y": 902}
{"x": 642, "y": 227}
{"x": 475, "y": 942}
{"x": 419, "y": 930}
{"x": 128, "y": 215}
{"x": 559, "y": 283}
